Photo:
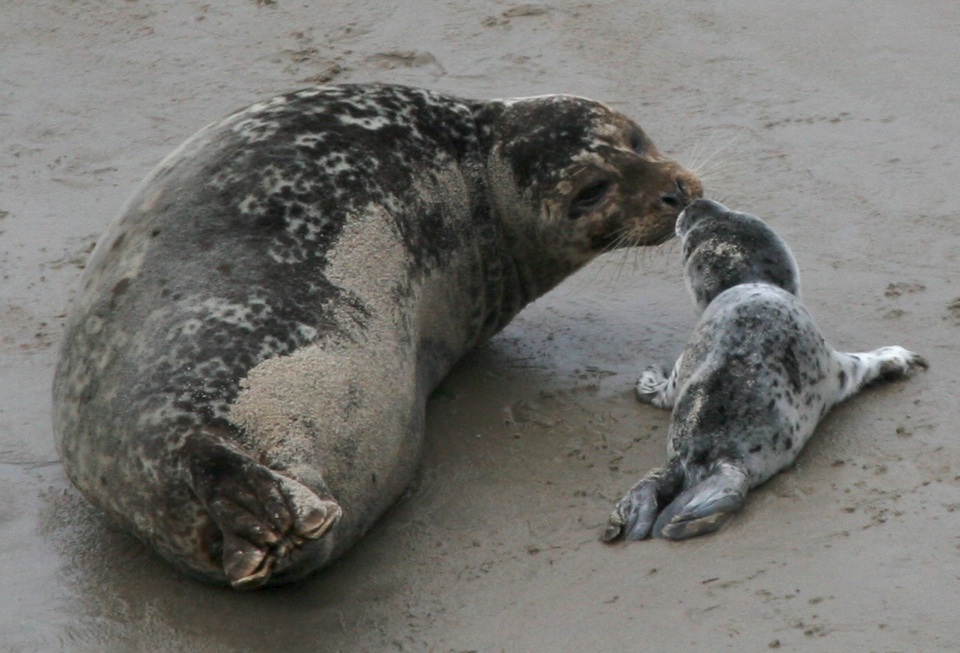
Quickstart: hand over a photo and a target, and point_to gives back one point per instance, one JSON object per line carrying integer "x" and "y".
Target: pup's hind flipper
{"x": 634, "y": 515}
{"x": 706, "y": 506}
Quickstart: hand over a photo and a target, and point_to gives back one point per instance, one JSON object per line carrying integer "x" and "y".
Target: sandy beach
{"x": 839, "y": 124}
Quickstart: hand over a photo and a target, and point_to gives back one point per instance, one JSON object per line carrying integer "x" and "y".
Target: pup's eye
{"x": 588, "y": 198}
{"x": 637, "y": 143}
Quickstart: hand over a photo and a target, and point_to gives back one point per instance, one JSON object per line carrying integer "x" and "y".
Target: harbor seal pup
{"x": 751, "y": 385}
{"x": 244, "y": 373}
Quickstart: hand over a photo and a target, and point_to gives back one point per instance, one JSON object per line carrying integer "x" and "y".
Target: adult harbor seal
{"x": 751, "y": 385}
{"x": 244, "y": 373}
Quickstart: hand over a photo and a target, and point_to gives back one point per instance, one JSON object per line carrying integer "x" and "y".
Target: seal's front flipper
{"x": 262, "y": 516}
{"x": 860, "y": 370}
{"x": 706, "y": 506}
{"x": 658, "y": 386}
{"x": 634, "y": 514}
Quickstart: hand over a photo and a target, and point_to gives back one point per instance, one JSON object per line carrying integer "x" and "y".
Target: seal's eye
{"x": 589, "y": 197}
{"x": 637, "y": 144}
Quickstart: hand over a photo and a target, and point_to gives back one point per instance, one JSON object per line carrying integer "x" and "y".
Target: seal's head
{"x": 723, "y": 248}
{"x": 575, "y": 178}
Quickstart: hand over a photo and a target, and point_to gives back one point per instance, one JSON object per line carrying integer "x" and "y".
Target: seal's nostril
{"x": 670, "y": 200}
{"x": 678, "y": 198}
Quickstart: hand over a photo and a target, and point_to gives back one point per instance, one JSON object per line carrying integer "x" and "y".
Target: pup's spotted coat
{"x": 751, "y": 385}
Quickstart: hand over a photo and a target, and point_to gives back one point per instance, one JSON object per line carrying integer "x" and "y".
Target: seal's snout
{"x": 678, "y": 198}
{"x": 695, "y": 211}
{"x": 686, "y": 189}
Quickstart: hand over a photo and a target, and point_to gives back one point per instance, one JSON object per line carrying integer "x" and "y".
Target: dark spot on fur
{"x": 791, "y": 366}
{"x": 889, "y": 370}
{"x": 121, "y": 287}
{"x": 118, "y": 291}
{"x": 788, "y": 443}
{"x": 702, "y": 457}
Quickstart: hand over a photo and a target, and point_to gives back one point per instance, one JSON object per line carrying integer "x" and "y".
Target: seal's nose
{"x": 677, "y": 199}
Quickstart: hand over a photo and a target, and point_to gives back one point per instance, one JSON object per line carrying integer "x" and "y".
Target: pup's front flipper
{"x": 863, "y": 369}
{"x": 262, "y": 515}
{"x": 633, "y": 516}
{"x": 706, "y": 506}
{"x": 658, "y": 386}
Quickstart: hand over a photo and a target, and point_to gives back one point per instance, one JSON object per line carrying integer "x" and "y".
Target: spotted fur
{"x": 244, "y": 372}
{"x": 751, "y": 385}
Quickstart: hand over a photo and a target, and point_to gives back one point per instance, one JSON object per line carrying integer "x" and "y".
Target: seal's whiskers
{"x": 717, "y": 166}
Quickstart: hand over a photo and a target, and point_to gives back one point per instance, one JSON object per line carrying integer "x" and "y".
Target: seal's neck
{"x": 518, "y": 263}
{"x": 517, "y": 287}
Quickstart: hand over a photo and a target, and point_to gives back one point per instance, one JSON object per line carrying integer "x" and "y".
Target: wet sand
{"x": 839, "y": 126}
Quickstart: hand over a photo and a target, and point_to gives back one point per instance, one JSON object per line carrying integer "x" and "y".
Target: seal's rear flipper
{"x": 706, "y": 506}
{"x": 262, "y": 516}
{"x": 634, "y": 514}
